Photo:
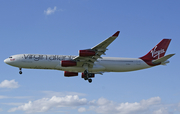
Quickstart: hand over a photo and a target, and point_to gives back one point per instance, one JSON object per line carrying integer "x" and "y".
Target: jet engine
{"x": 68, "y": 63}
{"x": 70, "y": 74}
{"x": 86, "y": 53}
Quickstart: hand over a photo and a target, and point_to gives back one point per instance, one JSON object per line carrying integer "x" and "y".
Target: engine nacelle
{"x": 86, "y": 53}
{"x": 68, "y": 63}
{"x": 70, "y": 74}
{"x": 90, "y": 75}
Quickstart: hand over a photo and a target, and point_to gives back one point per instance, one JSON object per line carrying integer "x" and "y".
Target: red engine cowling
{"x": 70, "y": 74}
{"x": 91, "y": 75}
{"x": 86, "y": 53}
{"x": 68, "y": 63}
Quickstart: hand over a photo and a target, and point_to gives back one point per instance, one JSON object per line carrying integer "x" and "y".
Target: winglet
{"x": 116, "y": 34}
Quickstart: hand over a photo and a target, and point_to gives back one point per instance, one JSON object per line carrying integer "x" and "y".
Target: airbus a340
{"x": 89, "y": 61}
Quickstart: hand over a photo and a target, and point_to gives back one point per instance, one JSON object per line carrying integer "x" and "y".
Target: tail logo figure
{"x": 157, "y": 53}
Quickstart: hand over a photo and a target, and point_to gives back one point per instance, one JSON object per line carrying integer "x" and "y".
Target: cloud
{"x": 61, "y": 94}
{"x": 9, "y": 84}
{"x": 13, "y": 104}
{"x": 1, "y": 109}
{"x": 161, "y": 111}
{"x": 50, "y": 11}
{"x": 3, "y": 97}
{"x": 101, "y": 106}
{"x": 17, "y": 97}
{"x": 105, "y": 106}
{"x": 82, "y": 109}
{"x": 46, "y": 104}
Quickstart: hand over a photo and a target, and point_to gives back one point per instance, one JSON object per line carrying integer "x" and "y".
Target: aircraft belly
{"x": 96, "y": 68}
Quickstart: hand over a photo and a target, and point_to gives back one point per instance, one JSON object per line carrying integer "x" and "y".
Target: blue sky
{"x": 63, "y": 27}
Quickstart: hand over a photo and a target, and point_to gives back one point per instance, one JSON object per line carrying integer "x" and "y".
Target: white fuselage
{"x": 104, "y": 64}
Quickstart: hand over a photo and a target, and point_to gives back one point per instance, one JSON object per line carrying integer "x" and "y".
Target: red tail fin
{"x": 158, "y": 51}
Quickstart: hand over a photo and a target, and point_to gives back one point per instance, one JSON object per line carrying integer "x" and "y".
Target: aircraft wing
{"x": 98, "y": 50}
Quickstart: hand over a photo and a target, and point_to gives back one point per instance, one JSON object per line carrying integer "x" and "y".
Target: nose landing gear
{"x": 20, "y": 72}
{"x": 90, "y": 80}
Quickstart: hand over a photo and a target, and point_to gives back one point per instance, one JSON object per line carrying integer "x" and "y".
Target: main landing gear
{"x": 90, "y": 80}
{"x": 86, "y": 76}
{"x": 20, "y": 72}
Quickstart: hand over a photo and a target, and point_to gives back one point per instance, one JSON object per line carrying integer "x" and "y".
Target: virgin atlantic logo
{"x": 12, "y": 59}
{"x": 157, "y": 53}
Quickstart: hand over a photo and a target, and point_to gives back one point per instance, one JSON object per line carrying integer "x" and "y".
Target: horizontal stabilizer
{"x": 162, "y": 59}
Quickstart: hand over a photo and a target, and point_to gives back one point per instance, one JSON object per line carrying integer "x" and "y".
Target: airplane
{"x": 89, "y": 61}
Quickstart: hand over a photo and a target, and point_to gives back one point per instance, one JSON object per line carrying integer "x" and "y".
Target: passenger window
{"x": 10, "y": 57}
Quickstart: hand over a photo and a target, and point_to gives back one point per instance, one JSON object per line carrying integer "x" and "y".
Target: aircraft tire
{"x": 85, "y": 78}
{"x": 90, "y": 80}
{"x": 85, "y": 72}
{"x": 20, "y": 72}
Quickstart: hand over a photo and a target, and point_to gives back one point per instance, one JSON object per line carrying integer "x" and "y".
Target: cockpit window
{"x": 10, "y": 57}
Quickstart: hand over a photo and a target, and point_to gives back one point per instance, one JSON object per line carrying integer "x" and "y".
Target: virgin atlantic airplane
{"x": 89, "y": 61}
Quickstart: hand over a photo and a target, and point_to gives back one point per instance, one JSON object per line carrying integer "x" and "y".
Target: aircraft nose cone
{"x": 7, "y": 61}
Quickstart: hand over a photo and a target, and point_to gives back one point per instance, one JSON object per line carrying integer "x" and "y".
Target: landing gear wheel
{"x": 85, "y": 72}
{"x": 85, "y": 75}
{"x": 90, "y": 80}
{"x": 20, "y": 72}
